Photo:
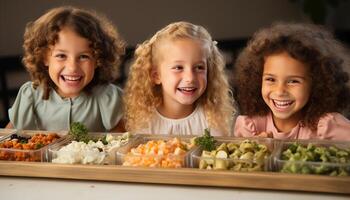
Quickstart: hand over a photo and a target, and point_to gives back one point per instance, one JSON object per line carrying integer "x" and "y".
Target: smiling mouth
{"x": 187, "y": 89}
{"x": 282, "y": 104}
{"x": 71, "y": 78}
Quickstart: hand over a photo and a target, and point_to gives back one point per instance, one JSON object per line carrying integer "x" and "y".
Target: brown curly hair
{"x": 142, "y": 95}
{"x": 106, "y": 44}
{"x": 313, "y": 45}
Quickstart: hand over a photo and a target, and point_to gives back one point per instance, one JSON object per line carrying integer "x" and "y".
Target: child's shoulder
{"x": 332, "y": 118}
{"x": 28, "y": 90}
{"x": 27, "y": 86}
{"x": 107, "y": 92}
{"x": 106, "y": 89}
{"x": 333, "y": 126}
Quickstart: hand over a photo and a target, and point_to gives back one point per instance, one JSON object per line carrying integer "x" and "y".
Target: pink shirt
{"x": 333, "y": 126}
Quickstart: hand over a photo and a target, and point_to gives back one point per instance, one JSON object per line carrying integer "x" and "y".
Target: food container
{"x": 322, "y": 157}
{"x": 99, "y": 150}
{"x": 28, "y": 145}
{"x": 164, "y": 151}
{"x": 236, "y": 154}
{"x": 4, "y": 132}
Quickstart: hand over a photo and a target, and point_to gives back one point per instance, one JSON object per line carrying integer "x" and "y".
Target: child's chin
{"x": 187, "y": 103}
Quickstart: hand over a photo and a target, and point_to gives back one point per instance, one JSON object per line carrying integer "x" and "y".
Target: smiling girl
{"x": 177, "y": 84}
{"x": 72, "y": 55}
{"x": 290, "y": 84}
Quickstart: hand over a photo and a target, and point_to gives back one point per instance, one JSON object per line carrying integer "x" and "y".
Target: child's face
{"x": 182, "y": 72}
{"x": 71, "y": 63}
{"x": 285, "y": 87}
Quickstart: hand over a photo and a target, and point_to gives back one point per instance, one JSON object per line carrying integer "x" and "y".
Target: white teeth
{"x": 71, "y": 78}
{"x": 282, "y": 104}
{"x": 187, "y": 89}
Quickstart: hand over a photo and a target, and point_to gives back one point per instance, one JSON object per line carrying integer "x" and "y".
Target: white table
{"x": 52, "y": 189}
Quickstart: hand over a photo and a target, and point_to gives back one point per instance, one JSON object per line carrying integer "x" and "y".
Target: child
{"x": 177, "y": 84}
{"x": 290, "y": 84}
{"x": 72, "y": 56}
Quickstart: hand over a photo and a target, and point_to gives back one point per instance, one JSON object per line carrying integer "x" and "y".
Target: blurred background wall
{"x": 231, "y": 22}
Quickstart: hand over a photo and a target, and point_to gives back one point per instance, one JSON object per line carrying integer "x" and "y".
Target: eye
{"x": 84, "y": 57}
{"x": 200, "y": 67}
{"x": 60, "y": 56}
{"x": 177, "y": 67}
{"x": 269, "y": 79}
{"x": 294, "y": 81}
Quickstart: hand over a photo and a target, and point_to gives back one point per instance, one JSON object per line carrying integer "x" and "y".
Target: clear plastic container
{"x": 163, "y": 151}
{"x": 313, "y": 157}
{"x": 4, "y": 132}
{"x": 15, "y": 147}
{"x": 236, "y": 154}
{"x": 101, "y": 150}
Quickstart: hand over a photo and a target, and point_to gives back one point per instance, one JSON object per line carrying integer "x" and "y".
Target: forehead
{"x": 284, "y": 64}
{"x": 180, "y": 46}
{"x": 68, "y": 38}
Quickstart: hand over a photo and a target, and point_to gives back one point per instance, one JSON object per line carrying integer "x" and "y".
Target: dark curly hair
{"x": 105, "y": 41}
{"x": 311, "y": 44}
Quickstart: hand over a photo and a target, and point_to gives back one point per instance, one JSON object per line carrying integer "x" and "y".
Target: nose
{"x": 280, "y": 89}
{"x": 189, "y": 75}
{"x": 71, "y": 64}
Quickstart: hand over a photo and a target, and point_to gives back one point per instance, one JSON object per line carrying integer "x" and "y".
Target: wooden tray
{"x": 184, "y": 176}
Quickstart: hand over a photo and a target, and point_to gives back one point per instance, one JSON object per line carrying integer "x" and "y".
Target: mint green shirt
{"x": 99, "y": 111}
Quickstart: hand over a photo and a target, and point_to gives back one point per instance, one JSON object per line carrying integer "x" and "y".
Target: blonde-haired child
{"x": 177, "y": 84}
{"x": 291, "y": 84}
{"x": 73, "y": 56}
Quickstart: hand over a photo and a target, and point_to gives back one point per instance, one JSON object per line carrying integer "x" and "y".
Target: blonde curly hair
{"x": 142, "y": 96}
{"x": 107, "y": 45}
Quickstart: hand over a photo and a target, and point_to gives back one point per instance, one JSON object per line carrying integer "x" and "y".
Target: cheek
{"x": 204, "y": 84}
{"x": 203, "y": 77}
{"x": 304, "y": 96}
{"x": 52, "y": 71}
{"x": 264, "y": 90}
{"x": 92, "y": 73}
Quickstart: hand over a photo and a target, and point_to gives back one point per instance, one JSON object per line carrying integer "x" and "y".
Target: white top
{"x": 193, "y": 124}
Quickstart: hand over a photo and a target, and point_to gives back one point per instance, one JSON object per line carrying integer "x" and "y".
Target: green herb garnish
{"x": 206, "y": 142}
{"x": 79, "y": 132}
{"x": 104, "y": 140}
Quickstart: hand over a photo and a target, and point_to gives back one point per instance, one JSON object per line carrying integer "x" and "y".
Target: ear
{"x": 155, "y": 76}
{"x": 46, "y": 64}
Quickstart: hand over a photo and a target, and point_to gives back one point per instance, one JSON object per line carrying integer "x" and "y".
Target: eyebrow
{"x": 61, "y": 50}
{"x": 181, "y": 61}
{"x": 292, "y": 76}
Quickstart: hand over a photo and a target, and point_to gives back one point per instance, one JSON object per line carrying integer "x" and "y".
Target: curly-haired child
{"x": 73, "y": 56}
{"x": 177, "y": 84}
{"x": 290, "y": 84}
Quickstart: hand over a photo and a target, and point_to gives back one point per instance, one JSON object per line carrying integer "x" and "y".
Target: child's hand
{"x": 265, "y": 134}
